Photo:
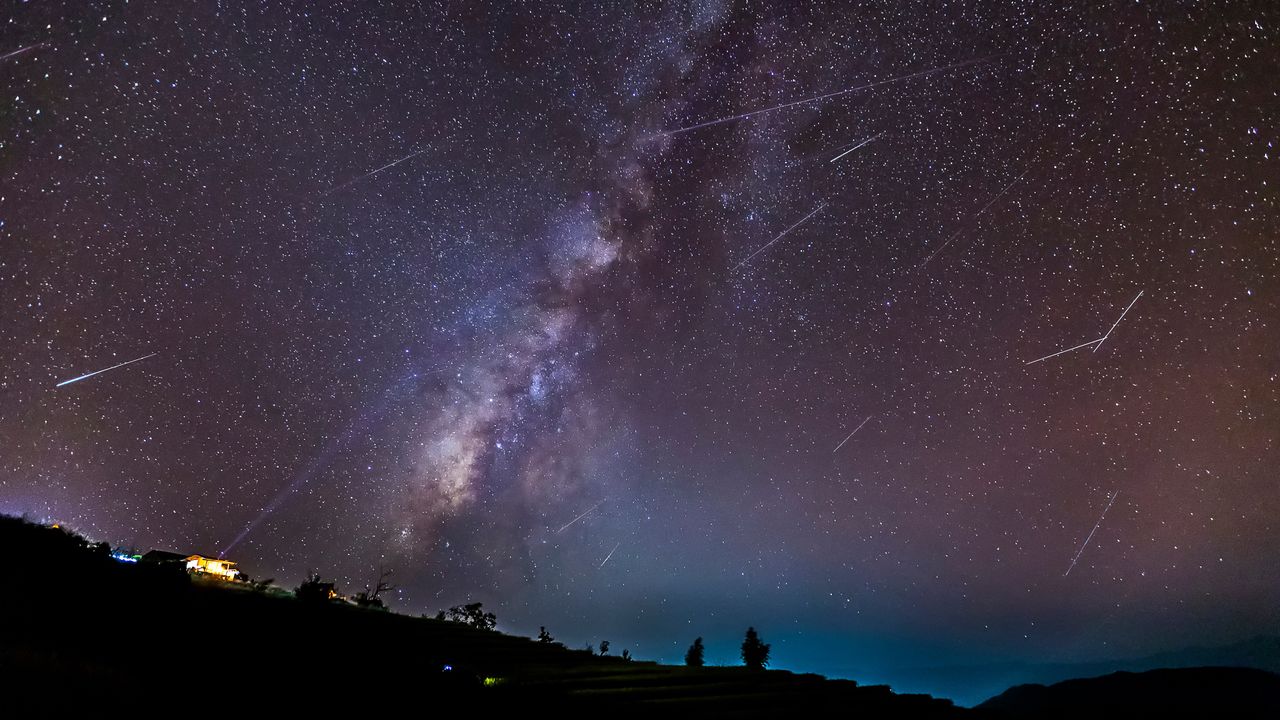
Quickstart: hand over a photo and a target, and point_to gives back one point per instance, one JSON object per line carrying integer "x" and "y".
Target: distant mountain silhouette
{"x": 971, "y": 684}
{"x": 1207, "y": 692}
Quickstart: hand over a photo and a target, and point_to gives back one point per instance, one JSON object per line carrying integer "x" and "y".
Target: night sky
{"x": 481, "y": 295}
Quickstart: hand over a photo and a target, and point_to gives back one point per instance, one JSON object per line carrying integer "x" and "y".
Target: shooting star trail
{"x": 973, "y": 218}
{"x": 1077, "y": 347}
{"x": 19, "y": 51}
{"x": 855, "y": 432}
{"x": 99, "y": 372}
{"x": 611, "y": 552}
{"x": 588, "y": 512}
{"x": 1117, "y": 322}
{"x": 371, "y": 173}
{"x": 1096, "y": 343}
{"x": 359, "y": 427}
{"x": 1085, "y": 544}
{"x": 868, "y": 141}
{"x": 780, "y": 235}
{"x": 819, "y": 98}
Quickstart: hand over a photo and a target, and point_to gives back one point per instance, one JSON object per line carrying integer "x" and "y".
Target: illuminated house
{"x": 216, "y": 567}
{"x": 224, "y": 569}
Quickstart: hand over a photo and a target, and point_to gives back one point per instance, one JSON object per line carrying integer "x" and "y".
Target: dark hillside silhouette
{"x": 86, "y": 632}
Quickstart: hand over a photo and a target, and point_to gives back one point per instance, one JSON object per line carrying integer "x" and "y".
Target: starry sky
{"x": 647, "y": 321}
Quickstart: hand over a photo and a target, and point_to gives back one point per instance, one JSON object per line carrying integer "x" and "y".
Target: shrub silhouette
{"x": 693, "y": 658}
{"x": 472, "y": 614}
{"x": 314, "y": 590}
{"x": 755, "y": 654}
{"x": 365, "y": 600}
{"x": 544, "y": 636}
{"x": 604, "y": 647}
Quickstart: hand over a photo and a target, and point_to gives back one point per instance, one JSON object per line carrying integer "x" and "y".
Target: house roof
{"x": 159, "y": 556}
{"x": 166, "y": 556}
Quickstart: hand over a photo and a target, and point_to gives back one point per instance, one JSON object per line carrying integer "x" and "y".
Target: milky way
{"x": 516, "y": 303}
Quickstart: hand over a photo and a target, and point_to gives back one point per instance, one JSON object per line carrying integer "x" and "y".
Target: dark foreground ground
{"x": 82, "y": 632}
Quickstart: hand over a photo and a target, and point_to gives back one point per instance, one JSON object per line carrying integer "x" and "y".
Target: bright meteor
{"x": 1117, "y": 322}
{"x": 868, "y": 141}
{"x": 588, "y": 512}
{"x": 98, "y": 372}
{"x": 22, "y": 50}
{"x": 611, "y": 552}
{"x": 819, "y": 98}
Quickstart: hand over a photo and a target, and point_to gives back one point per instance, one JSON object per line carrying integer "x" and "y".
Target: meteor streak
{"x": 371, "y": 173}
{"x": 855, "y": 432}
{"x": 98, "y": 372}
{"x": 1117, "y": 322}
{"x": 19, "y": 51}
{"x": 1096, "y": 343}
{"x": 611, "y": 552}
{"x": 780, "y": 235}
{"x": 819, "y": 98}
{"x": 1085, "y": 544}
{"x": 868, "y": 141}
{"x": 319, "y": 463}
{"x": 972, "y": 218}
{"x": 1060, "y": 352}
{"x": 588, "y": 512}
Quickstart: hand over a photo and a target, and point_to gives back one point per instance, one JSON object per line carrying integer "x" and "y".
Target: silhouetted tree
{"x": 604, "y": 647}
{"x": 544, "y": 636}
{"x": 369, "y": 598}
{"x": 591, "y": 649}
{"x": 693, "y": 658}
{"x": 474, "y": 615}
{"x": 755, "y": 654}
{"x": 626, "y": 654}
{"x": 313, "y": 589}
